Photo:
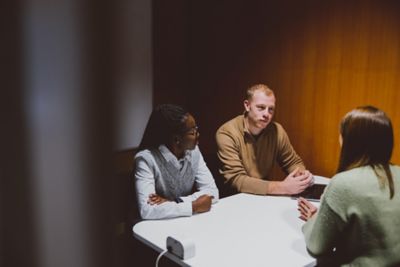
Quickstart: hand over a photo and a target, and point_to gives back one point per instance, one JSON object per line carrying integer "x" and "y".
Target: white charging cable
{"x": 159, "y": 257}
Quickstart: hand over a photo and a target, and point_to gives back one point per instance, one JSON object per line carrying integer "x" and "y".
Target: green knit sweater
{"x": 357, "y": 223}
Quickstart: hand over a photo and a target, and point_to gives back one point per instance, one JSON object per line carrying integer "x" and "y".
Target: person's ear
{"x": 246, "y": 105}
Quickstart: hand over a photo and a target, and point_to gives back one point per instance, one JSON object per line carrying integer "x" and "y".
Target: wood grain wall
{"x": 322, "y": 58}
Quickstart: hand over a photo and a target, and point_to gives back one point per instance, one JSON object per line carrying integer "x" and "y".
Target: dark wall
{"x": 171, "y": 55}
{"x": 17, "y": 226}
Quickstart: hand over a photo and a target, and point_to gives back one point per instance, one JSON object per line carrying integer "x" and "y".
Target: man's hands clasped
{"x": 297, "y": 181}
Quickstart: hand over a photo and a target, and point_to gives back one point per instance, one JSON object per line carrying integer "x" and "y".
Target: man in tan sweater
{"x": 250, "y": 144}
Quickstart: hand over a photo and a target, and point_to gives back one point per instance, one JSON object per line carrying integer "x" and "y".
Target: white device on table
{"x": 181, "y": 247}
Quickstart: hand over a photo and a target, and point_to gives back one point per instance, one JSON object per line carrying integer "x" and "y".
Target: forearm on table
{"x": 248, "y": 184}
{"x": 292, "y": 167}
{"x": 276, "y": 188}
{"x": 165, "y": 210}
{"x": 211, "y": 191}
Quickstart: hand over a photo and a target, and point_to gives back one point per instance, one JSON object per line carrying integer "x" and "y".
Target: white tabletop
{"x": 240, "y": 230}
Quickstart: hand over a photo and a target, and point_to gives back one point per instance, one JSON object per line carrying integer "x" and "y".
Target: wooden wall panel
{"x": 342, "y": 60}
{"x": 322, "y": 58}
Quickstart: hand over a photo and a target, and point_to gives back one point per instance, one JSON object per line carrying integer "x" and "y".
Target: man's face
{"x": 260, "y": 110}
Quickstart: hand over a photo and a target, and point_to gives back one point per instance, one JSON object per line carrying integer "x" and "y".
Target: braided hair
{"x": 165, "y": 122}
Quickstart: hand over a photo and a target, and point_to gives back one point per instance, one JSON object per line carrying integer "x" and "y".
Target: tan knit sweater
{"x": 247, "y": 162}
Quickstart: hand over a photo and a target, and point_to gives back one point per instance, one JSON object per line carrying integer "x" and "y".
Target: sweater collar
{"x": 246, "y": 130}
{"x": 167, "y": 154}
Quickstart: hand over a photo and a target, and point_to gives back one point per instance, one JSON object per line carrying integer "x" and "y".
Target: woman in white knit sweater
{"x": 171, "y": 177}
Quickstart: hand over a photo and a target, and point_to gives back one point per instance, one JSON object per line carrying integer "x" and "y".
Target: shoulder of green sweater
{"x": 356, "y": 173}
{"x": 395, "y": 169}
{"x": 345, "y": 184}
{"x": 351, "y": 175}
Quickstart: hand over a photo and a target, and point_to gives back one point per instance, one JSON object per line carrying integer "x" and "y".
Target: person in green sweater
{"x": 358, "y": 221}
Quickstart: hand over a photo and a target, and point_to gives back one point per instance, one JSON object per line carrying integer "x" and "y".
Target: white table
{"x": 240, "y": 230}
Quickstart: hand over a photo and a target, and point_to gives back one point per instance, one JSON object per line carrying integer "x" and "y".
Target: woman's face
{"x": 190, "y": 137}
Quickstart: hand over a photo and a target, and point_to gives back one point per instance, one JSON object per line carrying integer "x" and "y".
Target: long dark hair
{"x": 165, "y": 122}
{"x": 367, "y": 136}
